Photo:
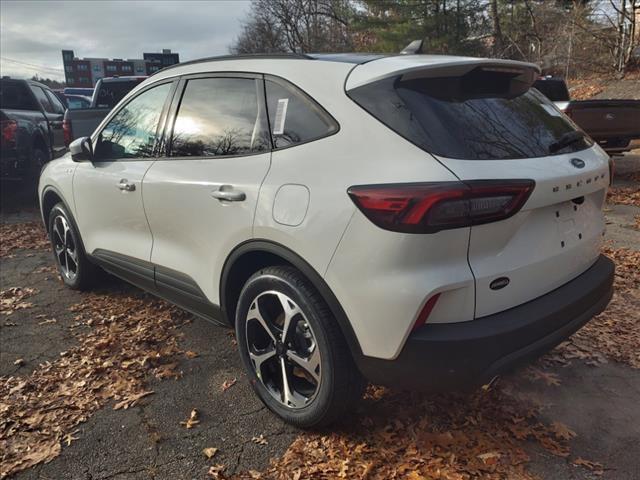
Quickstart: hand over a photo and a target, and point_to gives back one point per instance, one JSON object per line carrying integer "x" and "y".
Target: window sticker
{"x": 281, "y": 116}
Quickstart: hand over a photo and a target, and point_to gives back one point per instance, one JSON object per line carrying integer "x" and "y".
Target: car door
{"x": 55, "y": 123}
{"x": 200, "y": 200}
{"x": 108, "y": 191}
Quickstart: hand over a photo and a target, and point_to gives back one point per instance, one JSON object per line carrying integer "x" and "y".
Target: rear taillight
{"x": 9, "y": 132}
{"x": 67, "y": 131}
{"x": 431, "y": 207}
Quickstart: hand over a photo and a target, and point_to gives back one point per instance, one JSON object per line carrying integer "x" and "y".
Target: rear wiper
{"x": 566, "y": 140}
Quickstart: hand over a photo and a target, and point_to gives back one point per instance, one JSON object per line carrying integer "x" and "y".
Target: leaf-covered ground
{"x": 125, "y": 343}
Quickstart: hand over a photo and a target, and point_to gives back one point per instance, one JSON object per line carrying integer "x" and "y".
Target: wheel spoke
{"x": 290, "y": 311}
{"x": 288, "y": 396}
{"x": 254, "y": 314}
{"x": 57, "y": 232}
{"x": 310, "y": 365}
{"x": 259, "y": 358}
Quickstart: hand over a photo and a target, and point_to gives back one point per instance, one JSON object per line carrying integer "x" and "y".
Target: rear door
{"x": 486, "y": 124}
{"x": 201, "y": 197}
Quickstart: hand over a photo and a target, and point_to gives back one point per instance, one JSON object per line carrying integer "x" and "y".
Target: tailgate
{"x": 556, "y": 236}
{"x": 607, "y": 118}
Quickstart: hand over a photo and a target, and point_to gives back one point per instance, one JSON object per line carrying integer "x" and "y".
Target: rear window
{"x": 454, "y": 118}
{"x": 15, "y": 96}
{"x": 110, "y": 93}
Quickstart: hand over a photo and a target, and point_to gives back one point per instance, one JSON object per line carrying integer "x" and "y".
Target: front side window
{"x": 220, "y": 116}
{"x": 131, "y": 133}
{"x": 294, "y": 118}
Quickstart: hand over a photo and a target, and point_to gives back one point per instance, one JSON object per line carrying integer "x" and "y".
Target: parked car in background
{"x": 614, "y": 124}
{"x": 76, "y": 102}
{"x": 81, "y": 122}
{"x": 86, "y": 92}
{"x": 422, "y": 221}
{"x": 31, "y": 118}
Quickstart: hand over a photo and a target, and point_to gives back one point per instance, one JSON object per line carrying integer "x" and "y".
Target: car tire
{"x": 75, "y": 269}
{"x": 329, "y": 385}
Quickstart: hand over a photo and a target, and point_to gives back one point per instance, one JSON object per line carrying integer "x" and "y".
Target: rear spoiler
{"x": 411, "y": 66}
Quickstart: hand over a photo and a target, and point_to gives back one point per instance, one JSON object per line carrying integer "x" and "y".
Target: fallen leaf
{"x": 19, "y": 362}
{"x": 190, "y": 354}
{"x": 192, "y": 421}
{"x": 215, "y": 471}
{"x": 260, "y": 440}
{"x": 562, "y": 431}
{"x": 209, "y": 452}
{"x": 595, "y": 467}
{"x": 228, "y": 384}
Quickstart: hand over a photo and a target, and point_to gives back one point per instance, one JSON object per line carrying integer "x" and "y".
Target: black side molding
{"x": 171, "y": 285}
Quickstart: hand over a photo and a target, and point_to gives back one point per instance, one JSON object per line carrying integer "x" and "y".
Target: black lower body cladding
{"x": 444, "y": 357}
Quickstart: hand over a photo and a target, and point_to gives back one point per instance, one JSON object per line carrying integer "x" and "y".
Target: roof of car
{"x": 124, "y": 79}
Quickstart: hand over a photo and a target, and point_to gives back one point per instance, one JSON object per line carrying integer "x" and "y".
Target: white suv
{"x": 415, "y": 220}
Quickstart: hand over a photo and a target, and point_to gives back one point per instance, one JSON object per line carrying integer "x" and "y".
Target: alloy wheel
{"x": 283, "y": 349}
{"x": 64, "y": 246}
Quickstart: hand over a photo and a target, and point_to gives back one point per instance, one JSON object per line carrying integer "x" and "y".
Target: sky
{"x": 33, "y": 33}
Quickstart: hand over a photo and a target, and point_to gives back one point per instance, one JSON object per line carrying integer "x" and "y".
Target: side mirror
{"x": 81, "y": 150}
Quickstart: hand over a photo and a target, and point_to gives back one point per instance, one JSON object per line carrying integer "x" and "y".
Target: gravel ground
{"x": 147, "y": 441}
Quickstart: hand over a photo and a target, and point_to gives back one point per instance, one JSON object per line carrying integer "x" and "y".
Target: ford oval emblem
{"x": 499, "y": 283}
{"x": 576, "y": 162}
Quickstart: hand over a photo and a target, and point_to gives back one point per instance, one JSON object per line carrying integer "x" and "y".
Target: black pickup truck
{"x": 81, "y": 122}
{"x": 614, "y": 124}
{"x": 31, "y": 122}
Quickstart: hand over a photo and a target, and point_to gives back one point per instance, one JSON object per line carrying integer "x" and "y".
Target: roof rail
{"x": 243, "y": 56}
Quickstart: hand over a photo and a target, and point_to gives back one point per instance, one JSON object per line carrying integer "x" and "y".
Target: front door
{"x": 108, "y": 191}
{"x": 200, "y": 200}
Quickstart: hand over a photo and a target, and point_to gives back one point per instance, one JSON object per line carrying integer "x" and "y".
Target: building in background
{"x": 85, "y": 72}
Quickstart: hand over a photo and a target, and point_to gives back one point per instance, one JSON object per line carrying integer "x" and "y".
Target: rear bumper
{"x": 441, "y": 357}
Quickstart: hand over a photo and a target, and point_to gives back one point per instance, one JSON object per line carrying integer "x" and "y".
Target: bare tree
{"x": 296, "y": 26}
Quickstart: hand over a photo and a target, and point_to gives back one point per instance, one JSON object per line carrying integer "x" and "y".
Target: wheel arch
{"x": 250, "y": 256}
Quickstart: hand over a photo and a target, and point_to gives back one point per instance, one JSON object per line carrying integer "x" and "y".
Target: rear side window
{"x": 56, "y": 104}
{"x": 15, "y": 96}
{"x": 554, "y": 90}
{"x": 295, "y": 118}
{"x": 455, "y": 118}
{"x": 42, "y": 99}
{"x": 220, "y": 116}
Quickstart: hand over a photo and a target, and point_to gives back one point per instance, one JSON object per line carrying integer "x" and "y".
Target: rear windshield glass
{"x": 448, "y": 117}
{"x": 110, "y": 93}
{"x": 15, "y": 96}
{"x": 554, "y": 90}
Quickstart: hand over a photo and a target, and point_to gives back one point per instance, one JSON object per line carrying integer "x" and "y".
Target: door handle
{"x": 126, "y": 186}
{"x": 227, "y": 193}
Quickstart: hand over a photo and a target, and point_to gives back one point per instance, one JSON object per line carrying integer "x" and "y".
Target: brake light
{"x": 67, "y": 132}
{"x": 431, "y": 207}
{"x": 9, "y": 132}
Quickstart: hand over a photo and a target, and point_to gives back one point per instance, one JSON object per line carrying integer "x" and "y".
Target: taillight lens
{"x": 9, "y": 132}
{"x": 67, "y": 131}
{"x": 431, "y": 207}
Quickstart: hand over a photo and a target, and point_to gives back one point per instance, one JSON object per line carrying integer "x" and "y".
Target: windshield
{"x": 454, "y": 118}
{"x": 110, "y": 93}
